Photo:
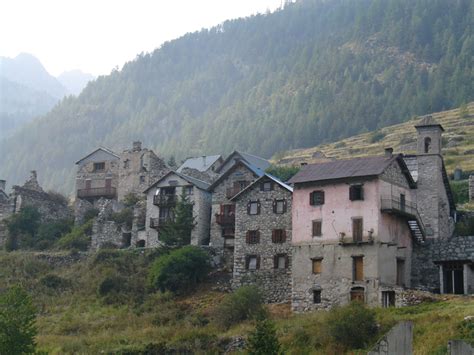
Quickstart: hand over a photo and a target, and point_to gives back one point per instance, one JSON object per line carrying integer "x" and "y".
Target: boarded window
{"x": 316, "y": 198}
{"x": 317, "y": 228}
{"x": 278, "y": 236}
{"x": 279, "y": 206}
{"x": 317, "y": 265}
{"x": 388, "y": 299}
{"x": 252, "y": 262}
{"x": 253, "y": 237}
{"x": 357, "y": 268}
{"x": 253, "y": 207}
{"x": 400, "y": 272}
{"x": 356, "y": 193}
{"x": 316, "y": 296}
{"x": 99, "y": 166}
{"x": 280, "y": 261}
{"x": 357, "y": 228}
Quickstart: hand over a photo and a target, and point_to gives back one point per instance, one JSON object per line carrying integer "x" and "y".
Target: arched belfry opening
{"x": 427, "y": 144}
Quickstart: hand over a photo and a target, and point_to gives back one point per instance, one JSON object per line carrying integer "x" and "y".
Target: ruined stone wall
{"x": 425, "y": 273}
{"x": 106, "y": 232}
{"x": 85, "y": 171}
{"x": 275, "y": 283}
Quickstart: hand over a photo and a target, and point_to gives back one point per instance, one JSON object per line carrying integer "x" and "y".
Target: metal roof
{"x": 253, "y": 160}
{"x": 203, "y": 185}
{"x": 199, "y": 163}
{"x": 271, "y": 177}
{"x": 339, "y": 169}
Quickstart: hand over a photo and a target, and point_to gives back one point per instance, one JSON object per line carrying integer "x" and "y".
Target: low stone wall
{"x": 425, "y": 273}
{"x": 399, "y": 340}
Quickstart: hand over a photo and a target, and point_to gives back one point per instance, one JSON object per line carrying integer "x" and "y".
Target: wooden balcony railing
{"x": 164, "y": 200}
{"x": 224, "y": 219}
{"x": 107, "y": 192}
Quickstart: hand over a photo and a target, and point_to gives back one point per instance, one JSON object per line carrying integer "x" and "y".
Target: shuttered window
{"x": 266, "y": 186}
{"x": 356, "y": 193}
{"x": 253, "y": 237}
{"x": 316, "y": 198}
{"x": 357, "y": 268}
{"x": 253, "y": 207}
{"x": 317, "y": 265}
{"x": 278, "y": 236}
{"x": 357, "y": 229}
{"x": 317, "y": 228}
{"x": 280, "y": 261}
{"x": 279, "y": 206}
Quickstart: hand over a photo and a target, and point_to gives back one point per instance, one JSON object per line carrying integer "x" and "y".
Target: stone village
{"x": 358, "y": 229}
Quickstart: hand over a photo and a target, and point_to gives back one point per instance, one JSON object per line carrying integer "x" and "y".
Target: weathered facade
{"x": 229, "y": 184}
{"x": 161, "y": 199}
{"x": 262, "y": 247}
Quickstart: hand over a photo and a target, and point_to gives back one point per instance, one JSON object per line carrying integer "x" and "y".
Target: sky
{"x": 97, "y": 35}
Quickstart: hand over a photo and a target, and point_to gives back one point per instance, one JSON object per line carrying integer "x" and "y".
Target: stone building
{"x": 6, "y": 209}
{"x": 238, "y": 171}
{"x": 262, "y": 247}
{"x": 202, "y": 168}
{"x": 161, "y": 199}
{"x": 354, "y": 224}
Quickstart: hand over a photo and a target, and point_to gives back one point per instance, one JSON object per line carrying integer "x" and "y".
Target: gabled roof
{"x": 274, "y": 179}
{"x": 256, "y": 162}
{"x": 106, "y": 150}
{"x": 256, "y": 171}
{"x": 201, "y": 164}
{"x": 193, "y": 181}
{"x": 428, "y": 121}
{"x": 349, "y": 168}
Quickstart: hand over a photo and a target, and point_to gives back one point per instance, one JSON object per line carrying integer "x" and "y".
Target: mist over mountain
{"x": 313, "y": 72}
{"x": 74, "y": 80}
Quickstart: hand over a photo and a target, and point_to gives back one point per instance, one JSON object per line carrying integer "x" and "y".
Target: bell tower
{"x": 429, "y": 136}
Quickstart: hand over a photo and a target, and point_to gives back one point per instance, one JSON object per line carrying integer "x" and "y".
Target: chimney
{"x": 388, "y": 152}
{"x": 137, "y": 146}
{"x": 3, "y": 185}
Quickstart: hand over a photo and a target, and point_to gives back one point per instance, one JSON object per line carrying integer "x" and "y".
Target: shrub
{"x": 112, "y": 284}
{"x": 58, "y": 198}
{"x": 245, "y": 303}
{"x": 124, "y": 217}
{"x": 17, "y": 322}
{"x": 55, "y": 282}
{"x": 130, "y": 199}
{"x": 352, "y": 326}
{"x": 180, "y": 270}
{"x": 263, "y": 340}
{"x": 22, "y": 228}
{"x": 465, "y": 227}
{"x": 49, "y": 233}
{"x": 460, "y": 191}
{"x": 376, "y": 137}
{"x": 78, "y": 238}
{"x": 284, "y": 173}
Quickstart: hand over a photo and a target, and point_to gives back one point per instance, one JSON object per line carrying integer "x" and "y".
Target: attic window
{"x": 99, "y": 166}
{"x": 356, "y": 193}
{"x": 266, "y": 186}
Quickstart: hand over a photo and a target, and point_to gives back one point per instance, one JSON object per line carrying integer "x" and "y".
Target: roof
{"x": 348, "y": 168}
{"x": 106, "y": 150}
{"x": 256, "y": 162}
{"x": 271, "y": 177}
{"x": 200, "y": 163}
{"x": 196, "y": 182}
{"x": 428, "y": 121}
{"x": 256, "y": 171}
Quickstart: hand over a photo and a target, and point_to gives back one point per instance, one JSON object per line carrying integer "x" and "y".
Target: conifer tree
{"x": 263, "y": 340}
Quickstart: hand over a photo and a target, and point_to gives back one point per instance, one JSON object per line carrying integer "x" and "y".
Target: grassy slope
{"x": 459, "y": 134}
{"x": 76, "y": 320}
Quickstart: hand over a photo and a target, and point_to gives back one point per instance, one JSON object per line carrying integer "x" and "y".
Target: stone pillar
{"x": 441, "y": 279}
{"x": 471, "y": 188}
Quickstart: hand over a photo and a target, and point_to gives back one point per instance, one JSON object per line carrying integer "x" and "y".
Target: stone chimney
{"x": 3, "y": 185}
{"x": 32, "y": 182}
{"x": 471, "y": 187}
{"x": 389, "y": 152}
{"x": 137, "y": 146}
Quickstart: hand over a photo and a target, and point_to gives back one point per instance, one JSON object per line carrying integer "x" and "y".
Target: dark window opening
{"x": 403, "y": 202}
{"x": 141, "y": 244}
{"x": 357, "y": 229}
{"x": 388, "y": 299}
{"x": 188, "y": 190}
{"x": 316, "y": 198}
{"x": 253, "y": 237}
{"x": 356, "y": 193}
{"x": 99, "y": 166}
{"x": 453, "y": 278}
{"x": 317, "y": 228}
{"x": 126, "y": 240}
{"x": 316, "y": 296}
{"x": 266, "y": 186}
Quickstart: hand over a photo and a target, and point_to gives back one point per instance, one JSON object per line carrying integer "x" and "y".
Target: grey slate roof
{"x": 203, "y": 185}
{"x": 255, "y": 162}
{"x": 256, "y": 171}
{"x": 199, "y": 163}
{"x": 271, "y": 177}
{"x": 428, "y": 121}
{"x": 106, "y": 150}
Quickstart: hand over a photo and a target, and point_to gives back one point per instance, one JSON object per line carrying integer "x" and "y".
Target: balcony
{"x": 91, "y": 193}
{"x": 157, "y": 223}
{"x": 406, "y": 210}
{"x": 349, "y": 240}
{"x": 164, "y": 200}
{"x": 225, "y": 220}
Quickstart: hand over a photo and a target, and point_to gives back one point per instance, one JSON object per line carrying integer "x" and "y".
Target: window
{"x": 316, "y": 198}
{"x": 317, "y": 228}
{"x": 427, "y": 144}
{"x": 357, "y": 228}
{"x": 400, "y": 272}
{"x": 279, "y": 206}
{"x": 388, "y": 299}
{"x": 166, "y": 214}
{"x": 403, "y": 202}
{"x": 253, "y": 207}
{"x": 280, "y": 261}
{"x": 188, "y": 190}
{"x": 227, "y": 210}
{"x": 253, "y": 237}
{"x": 252, "y": 262}
{"x": 356, "y": 193}
{"x": 266, "y": 186}
{"x": 126, "y": 164}
{"x": 316, "y": 296}
{"x": 357, "y": 268}
{"x": 141, "y": 244}
{"x": 358, "y": 294}
{"x": 99, "y": 166}
{"x": 278, "y": 236}
{"x": 317, "y": 265}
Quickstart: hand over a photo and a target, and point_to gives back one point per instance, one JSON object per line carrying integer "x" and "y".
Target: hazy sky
{"x": 97, "y": 35}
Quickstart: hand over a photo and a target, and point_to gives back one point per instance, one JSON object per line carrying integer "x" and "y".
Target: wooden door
{"x": 357, "y": 294}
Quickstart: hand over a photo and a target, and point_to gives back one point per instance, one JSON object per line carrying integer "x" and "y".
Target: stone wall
{"x": 471, "y": 187}
{"x": 106, "y": 232}
{"x": 275, "y": 283}
{"x": 399, "y": 340}
{"x": 425, "y": 273}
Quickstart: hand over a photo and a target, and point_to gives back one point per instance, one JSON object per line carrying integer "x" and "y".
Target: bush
{"x": 465, "y": 227}
{"x": 263, "y": 340}
{"x": 376, "y": 137}
{"x": 58, "y": 198}
{"x": 17, "y": 322}
{"x": 130, "y": 199}
{"x": 78, "y": 238}
{"x": 180, "y": 270}
{"x": 245, "y": 303}
{"x": 55, "y": 282}
{"x": 284, "y": 173}
{"x": 112, "y": 284}
{"x": 22, "y": 228}
{"x": 49, "y": 233}
{"x": 352, "y": 326}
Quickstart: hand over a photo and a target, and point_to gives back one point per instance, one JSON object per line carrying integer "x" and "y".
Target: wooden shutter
{"x": 258, "y": 206}
{"x": 352, "y": 193}
{"x": 321, "y": 197}
{"x": 248, "y": 207}
{"x": 357, "y": 229}
{"x": 283, "y": 236}
{"x": 284, "y": 206}
{"x": 274, "y": 205}
{"x": 317, "y": 228}
{"x": 247, "y": 261}
{"x": 273, "y": 235}
{"x": 257, "y": 236}
{"x": 247, "y": 237}
{"x": 317, "y": 266}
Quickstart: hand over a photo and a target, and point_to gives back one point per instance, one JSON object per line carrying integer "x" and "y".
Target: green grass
{"x": 75, "y": 319}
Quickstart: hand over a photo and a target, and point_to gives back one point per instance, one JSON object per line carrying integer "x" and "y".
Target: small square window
{"x": 356, "y": 193}
{"x": 253, "y": 208}
{"x": 316, "y": 198}
{"x": 317, "y": 228}
{"x": 266, "y": 186}
{"x": 99, "y": 166}
{"x": 317, "y": 266}
{"x": 316, "y": 296}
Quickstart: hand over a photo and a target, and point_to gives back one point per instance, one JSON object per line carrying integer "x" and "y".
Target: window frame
{"x": 248, "y": 259}
{"x": 99, "y": 166}
{"x": 317, "y": 198}
{"x": 249, "y": 208}
{"x": 356, "y": 192}
{"x": 316, "y": 222}
{"x": 357, "y": 274}
{"x": 316, "y": 263}
{"x": 356, "y": 236}
{"x": 252, "y": 237}
{"x": 278, "y": 236}
{"x": 270, "y": 186}
{"x": 276, "y": 261}
{"x": 316, "y": 296}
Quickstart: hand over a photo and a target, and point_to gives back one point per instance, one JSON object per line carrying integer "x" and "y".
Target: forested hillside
{"x": 313, "y": 72}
